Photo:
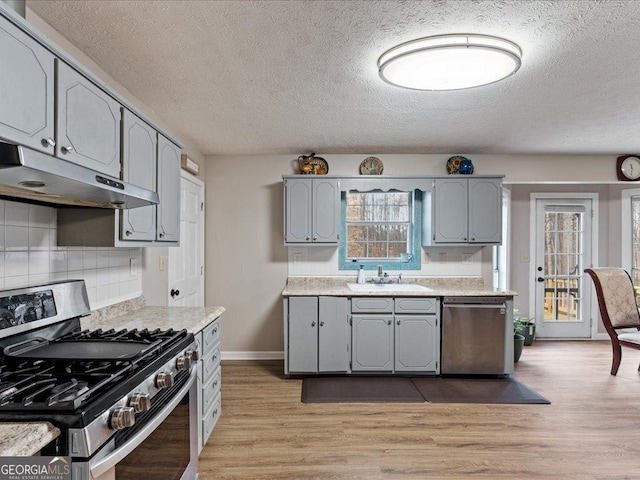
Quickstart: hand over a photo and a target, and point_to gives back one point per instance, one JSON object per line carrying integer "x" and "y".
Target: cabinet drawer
{"x": 210, "y": 419}
{"x": 371, "y": 305}
{"x": 210, "y": 363}
{"x": 211, "y": 390}
{"x": 211, "y": 334}
{"x": 416, "y": 305}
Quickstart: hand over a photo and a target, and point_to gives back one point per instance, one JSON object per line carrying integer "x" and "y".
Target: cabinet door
{"x": 450, "y": 210}
{"x": 333, "y": 334}
{"x": 139, "y": 162}
{"x": 26, "y": 90}
{"x": 303, "y": 334}
{"x": 298, "y": 200}
{"x": 168, "y": 214}
{"x": 372, "y": 338}
{"x": 326, "y": 211}
{"x": 88, "y": 122}
{"x": 485, "y": 210}
{"x": 416, "y": 343}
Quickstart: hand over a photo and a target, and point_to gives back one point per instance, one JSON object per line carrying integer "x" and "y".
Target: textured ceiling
{"x": 287, "y": 77}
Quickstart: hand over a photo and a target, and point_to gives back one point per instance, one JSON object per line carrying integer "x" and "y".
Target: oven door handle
{"x": 105, "y": 464}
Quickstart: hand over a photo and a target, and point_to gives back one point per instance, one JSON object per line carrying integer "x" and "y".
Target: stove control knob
{"x": 183, "y": 363}
{"x": 192, "y": 354}
{"x": 122, "y": 417}
{"x": 141, "y": 402}
{"x": 164, "y": 380}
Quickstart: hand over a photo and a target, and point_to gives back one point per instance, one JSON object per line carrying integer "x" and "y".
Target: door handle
{"x": 174, "y": 293}
{"x": 540, "y": 279}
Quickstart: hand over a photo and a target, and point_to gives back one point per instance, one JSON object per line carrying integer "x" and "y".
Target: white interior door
{"x": 186, "y": 262}
{"x": 563, "y": 246}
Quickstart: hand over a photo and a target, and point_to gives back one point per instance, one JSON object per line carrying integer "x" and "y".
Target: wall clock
{"x": 628, "y": 168}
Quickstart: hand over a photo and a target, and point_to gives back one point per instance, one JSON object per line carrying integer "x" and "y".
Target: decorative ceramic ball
{"x": 466, "y": 166}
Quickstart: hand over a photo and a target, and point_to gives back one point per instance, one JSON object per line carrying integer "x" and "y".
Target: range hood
{"x": 33, "y": 176}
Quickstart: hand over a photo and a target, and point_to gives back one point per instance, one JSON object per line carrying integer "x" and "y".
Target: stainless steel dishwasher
{"x": 477, "y": 336}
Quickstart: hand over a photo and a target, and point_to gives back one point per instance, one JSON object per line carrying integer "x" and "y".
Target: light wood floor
{"x": 591, "y": 430}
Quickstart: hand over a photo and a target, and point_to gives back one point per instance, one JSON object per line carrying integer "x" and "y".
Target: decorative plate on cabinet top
{"x": 453, "y": 164}
{"x": 371, "y": 166}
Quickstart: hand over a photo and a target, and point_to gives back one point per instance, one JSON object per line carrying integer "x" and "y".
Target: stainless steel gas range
{"x": 125, "y": 401}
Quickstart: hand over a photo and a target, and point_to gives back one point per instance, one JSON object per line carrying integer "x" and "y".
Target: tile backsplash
{"x": 29, "y": 255}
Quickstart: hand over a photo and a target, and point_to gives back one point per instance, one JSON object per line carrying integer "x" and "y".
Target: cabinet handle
{"x": 322, "y": 324}
{"x": 215, "y": 330}
{"x": 308, "y": 238}
{"x": 48, "y": 142}
{"x": 473, "y": 238}
{"x": 128, "y": 232}
{"x": 313, "y": 324}
{"x": 161, "y": 235}
{"x": 398, "y": 322}
{"x": 215, "y": 384}
{"x": 465, "y": 239}
{"x": 388, "y": 322}
{"x": 315, "y": 238}
{"x": 215, "y": 412}
{"x": 66, "y": 149}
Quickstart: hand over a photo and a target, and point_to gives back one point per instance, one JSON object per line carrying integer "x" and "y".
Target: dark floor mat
{"x": 359, "y": 389}
{"x": 476, "y": 390}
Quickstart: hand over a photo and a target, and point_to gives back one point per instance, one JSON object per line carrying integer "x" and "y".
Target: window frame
{"x": 626, "y": 248}
{"x": 415, "y": 222}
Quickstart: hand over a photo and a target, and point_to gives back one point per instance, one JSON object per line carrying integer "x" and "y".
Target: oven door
{"x": 166, "y": 447}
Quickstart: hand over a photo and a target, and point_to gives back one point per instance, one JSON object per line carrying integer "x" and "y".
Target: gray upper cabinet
{"x": 88, "y": 123}
{"x": 26, "y": 90}
{"x": 139, "y": 166}
{"x": 485, "y": 210}
{"x": 312, "y": 211}
{"x": 460, "y": 211}
{"x": 168, "y": 225}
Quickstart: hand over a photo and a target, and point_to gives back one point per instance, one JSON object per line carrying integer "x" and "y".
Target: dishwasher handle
{"x": 468, "y": 306}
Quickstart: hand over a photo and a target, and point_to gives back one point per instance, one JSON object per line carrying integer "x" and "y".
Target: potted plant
{"x": 518, "y": 338}
{"x": 524, "y": 326}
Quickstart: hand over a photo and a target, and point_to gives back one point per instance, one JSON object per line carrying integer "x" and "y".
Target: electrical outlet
{"x": 442, "y": 257}
{"x": 425, "y": 257}
{"x": 466, "y": 257}
{"x": 297, "y": 257}
{"x": 133, "y": 267}
{"x": 525, "y": 258}
{"x": 163, "y": 263}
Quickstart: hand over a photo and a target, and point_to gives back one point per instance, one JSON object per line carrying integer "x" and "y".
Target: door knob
{"x": 540, "y": 279}
{"x": 174, "y": 293}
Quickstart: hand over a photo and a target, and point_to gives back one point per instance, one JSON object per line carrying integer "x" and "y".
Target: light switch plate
{"x": 133, "y": 267}
{"x": 163, "y": 263}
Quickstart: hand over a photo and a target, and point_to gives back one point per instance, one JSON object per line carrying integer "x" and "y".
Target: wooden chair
{"x": 618, "y": 309}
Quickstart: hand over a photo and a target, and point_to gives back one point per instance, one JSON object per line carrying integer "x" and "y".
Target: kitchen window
{"x": 380, "y": 228}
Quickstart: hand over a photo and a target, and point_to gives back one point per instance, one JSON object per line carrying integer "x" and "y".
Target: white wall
{"x": 247, "y": 264}
{"x": 29, "y": 255}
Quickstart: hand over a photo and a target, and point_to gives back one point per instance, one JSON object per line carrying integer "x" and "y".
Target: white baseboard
{"x": 252, "y": 355}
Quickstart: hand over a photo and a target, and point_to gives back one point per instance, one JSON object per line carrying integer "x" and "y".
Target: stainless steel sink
{"x": 387, "y": 287}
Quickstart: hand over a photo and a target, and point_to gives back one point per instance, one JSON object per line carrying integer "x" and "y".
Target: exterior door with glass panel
{"x": 563, "y": 251}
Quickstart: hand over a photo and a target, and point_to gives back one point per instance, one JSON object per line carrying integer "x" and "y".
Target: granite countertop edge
{"x": 440, "y": 287}
{"x": 23, "y": 439}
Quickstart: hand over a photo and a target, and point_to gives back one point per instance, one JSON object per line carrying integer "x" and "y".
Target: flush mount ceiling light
{"x": 449, "y": 62}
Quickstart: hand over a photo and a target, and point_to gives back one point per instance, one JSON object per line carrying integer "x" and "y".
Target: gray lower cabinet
{"x": 417, "y": 343}
{"x": 312, "y": 211}
{"x": 461, "y": 211}
{"x": 209, "y": 380}
{"x": 318, "y": 334}
{"x": 87, "y": 122}
{"x": 372, "y": 342}
{"x": 26, "y": 90}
